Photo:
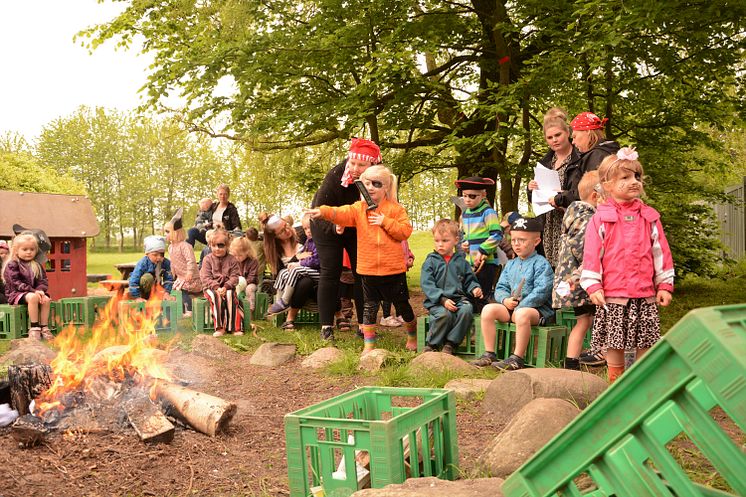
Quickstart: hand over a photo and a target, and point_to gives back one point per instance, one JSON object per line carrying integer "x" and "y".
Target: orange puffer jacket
{"x": 379, "y": 251}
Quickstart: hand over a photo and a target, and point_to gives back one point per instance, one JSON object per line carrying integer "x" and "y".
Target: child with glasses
{"x": 219, "y": 274}
{"x": 380, "y": 231}
{"x": 523, "y": 293}
{"x": 482, "y": 234}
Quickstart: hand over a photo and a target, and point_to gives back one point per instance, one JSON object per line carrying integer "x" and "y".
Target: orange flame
{"x": 121, "y": 345}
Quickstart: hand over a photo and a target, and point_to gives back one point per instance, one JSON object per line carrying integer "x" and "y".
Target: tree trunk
{"x": 26, "y": 383}
{"x": 205, "y": 413}
{"x": 148, "y": 421}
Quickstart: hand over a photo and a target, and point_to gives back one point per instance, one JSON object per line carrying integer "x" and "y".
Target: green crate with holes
{"x": 13, "y": 321}
{"x": 371, "y": 436}
{"x": 163, "y": 316}
{"x": 468, "y": 347}
{"x": 74, "y": 311}
{"x": 304, "y": 317}
{"x": 566, "y": 317}
{"x": 202, "y": 321}
{"x": 621, "y": 441}
{"x": 547, "y": 345}
{"x": 95, "y": 306}
{"x": 261, "y": 305}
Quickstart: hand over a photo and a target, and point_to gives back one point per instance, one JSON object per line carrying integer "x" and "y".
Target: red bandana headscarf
{"x": 586, "y": 121}
{"x": 360, "y": 149}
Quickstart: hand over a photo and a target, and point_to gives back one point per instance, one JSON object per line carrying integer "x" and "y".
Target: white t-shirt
{"x": 217, "y": 216}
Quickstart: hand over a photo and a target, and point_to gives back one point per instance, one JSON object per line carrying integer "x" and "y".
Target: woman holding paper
{"x": 561, "y": 154}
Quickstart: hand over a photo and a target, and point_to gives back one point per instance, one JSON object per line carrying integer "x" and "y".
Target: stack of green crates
{"x": 387, "y": 434}
{"x": 620, "y": 441}
{"x": 468, "y": 347}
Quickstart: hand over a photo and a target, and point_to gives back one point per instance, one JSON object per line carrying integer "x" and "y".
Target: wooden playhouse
{"x": 67, "y": 220}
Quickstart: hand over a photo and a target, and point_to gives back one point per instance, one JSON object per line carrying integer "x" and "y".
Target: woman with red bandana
{"x": 589, "y": 138}
{"x": 338, "y": 189}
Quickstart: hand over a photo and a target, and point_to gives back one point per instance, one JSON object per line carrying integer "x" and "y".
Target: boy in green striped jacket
{"x": 482, "y": 234}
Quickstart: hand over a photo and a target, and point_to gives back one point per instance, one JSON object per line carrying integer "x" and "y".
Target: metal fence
{"x": 733, "y": 222}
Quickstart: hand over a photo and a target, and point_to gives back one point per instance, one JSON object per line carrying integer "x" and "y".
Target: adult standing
{"x": 223, "y": 214}
{"x": 561, "y": 154}
{"x": 338, "y": 189}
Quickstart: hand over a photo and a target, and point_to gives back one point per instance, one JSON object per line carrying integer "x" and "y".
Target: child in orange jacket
{"x": 380, "y": 232}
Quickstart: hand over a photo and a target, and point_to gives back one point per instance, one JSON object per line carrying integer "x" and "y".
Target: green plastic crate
{"x": 546, "y": 346}
{"x": 74, "y": 311}
{"x": 13, "y": 321}
{"x": 95, "y": 305}
{"x": 468, "y": 347}
{"x": 260, "y": 306}
{"x": 620, "y": 440}
{"x": 202, "y": 321}
{"x": 392, "y": 426}
{"x": 566, "y": 317}
{"x": 305, "y": 316}
{"x": 179, "y": 302}
{"x": 130, "y": 311}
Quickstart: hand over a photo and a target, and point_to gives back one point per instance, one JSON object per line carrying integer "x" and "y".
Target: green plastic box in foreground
{"x": 620, "y": 440}
{"x": 380, "y": 430}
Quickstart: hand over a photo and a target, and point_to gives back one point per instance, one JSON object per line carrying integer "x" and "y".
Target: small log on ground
{"x": 148, "y": 421}
{"x": 205, "y": 413}
{"x": 26, "y": 383}
{"x": 29, "y": 430}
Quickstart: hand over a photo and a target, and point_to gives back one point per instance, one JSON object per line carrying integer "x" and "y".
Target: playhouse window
{"x": 51, "y": 247}
{"x": 50, "y": 266}
{"x": 65, "y": 247}
{"x": 65, "y": 266}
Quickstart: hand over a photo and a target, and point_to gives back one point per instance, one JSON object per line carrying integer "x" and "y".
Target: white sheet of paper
{"x": 542, "y": 196}
{"x": 540, "y": 209}
{"x": 548, "y": 179}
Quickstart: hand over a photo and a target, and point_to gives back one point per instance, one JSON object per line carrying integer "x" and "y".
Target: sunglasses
{"x": 219, "y": 245}
{"x": 472, "y": 196}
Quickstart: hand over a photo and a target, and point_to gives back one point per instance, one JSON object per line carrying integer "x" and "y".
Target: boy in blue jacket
{"x": 523, "y": 293}
{"x": 447, "y": 280}
{"x": 152, "y": 271}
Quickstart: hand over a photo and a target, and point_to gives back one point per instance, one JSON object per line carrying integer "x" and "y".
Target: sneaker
{"x": 46, "y": 334}
{"x": 447, "y": 349}
{"x": 327, "y": 333}
{"x": 399, "y": 321}
{"x": 34, "y": 333}
{"x": 487, "y": 359}
{"x": 428, "y": 349}
{"x": 187, "y": 314}
{"x": 277, "y": 307}
{"x": 572, "y": 363}
{"x": 593, "y": 358}
{"x": 512, "y": 363}
{"x": 390, "y": 322}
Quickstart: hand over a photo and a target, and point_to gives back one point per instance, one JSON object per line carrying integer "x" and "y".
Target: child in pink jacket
{"x": 627, "y": 265}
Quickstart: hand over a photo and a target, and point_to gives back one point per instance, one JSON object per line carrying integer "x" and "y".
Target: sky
{"x": 46, "y": 75}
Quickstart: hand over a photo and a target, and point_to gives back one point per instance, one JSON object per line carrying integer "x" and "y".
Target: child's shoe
{"x": 390, "y": 322}
{"x": 327, "y": 333}
{"x": 238, "y": 333}
{"x": 34, "y": 333}
{"x": 46, "y": 334}
{"x": 428, "y": 348}
{"x": 486, "y": 360}
{"x": 512, "y": 363}
{"x": 572, "y": 363}
{"x": 218, "y": 333}
{"x": 447, "y": 348}
{"x": 187, "y": 314}
{"x": 277, "y": 307}
{"x": 593, "y": 358}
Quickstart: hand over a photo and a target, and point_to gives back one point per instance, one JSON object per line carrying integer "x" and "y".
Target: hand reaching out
{"x": 314, "y": 213}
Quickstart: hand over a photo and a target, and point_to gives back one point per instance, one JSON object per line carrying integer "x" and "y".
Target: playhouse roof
{"x": 58, "y": 215}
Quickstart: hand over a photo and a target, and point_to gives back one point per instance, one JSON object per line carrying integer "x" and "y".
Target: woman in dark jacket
{"x": 338, "y": 189}
{"x": 561, "y": 154}
{"x": 222, "y": 213}
{"x": 589, "y": 137}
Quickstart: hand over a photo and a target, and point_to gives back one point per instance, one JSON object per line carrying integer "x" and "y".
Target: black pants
{"x": 305, "y": 290}
{"x": 195, "y": 235}
{"x": 329, "y": 246}
{"x": 392, "y": 288}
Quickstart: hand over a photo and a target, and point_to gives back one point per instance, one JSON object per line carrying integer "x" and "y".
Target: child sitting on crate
{"x": 26, "y": 284}
{"x": 567, "y": 289}
{"x": 219, "y": 274}
{"x": 183, "y": 262}
{"x": 446, "y": 281}
{"x": 152, "y": 274}
{"x": 523, "y": 293}
{"x": 242, "y": 250}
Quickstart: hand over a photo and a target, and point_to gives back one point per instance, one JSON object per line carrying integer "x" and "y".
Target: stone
{"x": 373, "y": 360}
{"x": 437, "y": 361}
{"x": 434, "y": 487}
{"x": 529, "y": 430}
{"x": 468, "y": 388}
{"x": 273, "y": 354}
{"x": 322, "y": 358}
{"x": 512, "y": 390}
{"x": 28, "y": 351}
{"x": 212, "y": 347}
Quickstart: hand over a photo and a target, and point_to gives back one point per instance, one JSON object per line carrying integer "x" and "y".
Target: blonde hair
{"x": 556, "y": 117}
{"x": 220, "y": 232}
{"x": 242, "y": 246}
{"x": 587, "y": 184}
{"x": 175, "y": 236}
{"x": 444, "y": 226}
{"x": 612, "y": 165}
{"x": 595, "y": 136}
{"x": 20, "y": 239}
{"x": 388, "y": 179}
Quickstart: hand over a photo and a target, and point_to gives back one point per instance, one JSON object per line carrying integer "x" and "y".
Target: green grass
{"x": 421, "y": 244}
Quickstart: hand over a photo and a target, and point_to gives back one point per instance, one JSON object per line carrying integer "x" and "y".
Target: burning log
{"x": 28, "y": 430}
{"x": 205, "y": 413}
{"x": 148, "y": 421}
{"x": 26, "y": 383}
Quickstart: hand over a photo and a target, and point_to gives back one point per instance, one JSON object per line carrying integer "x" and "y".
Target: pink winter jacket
{"x": 626, "y": 252}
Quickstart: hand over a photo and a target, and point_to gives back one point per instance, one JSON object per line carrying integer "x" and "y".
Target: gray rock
{"x": 433, "y": 487}
{"x": 373, "y": 360}
{"x": 27, "y": 351}
{"x": 510, "y": 391}
{"x": 437, "y": 361}
{"x": 213, "y": 348}
{"x": 273, "y": 354}
{"x": 532, "y": 427}
{"x": 322, "y": 358}
{"x": 468, "y": 388}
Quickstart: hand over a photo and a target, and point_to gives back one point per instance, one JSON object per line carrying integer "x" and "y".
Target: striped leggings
{"x": 227, "y": 311}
